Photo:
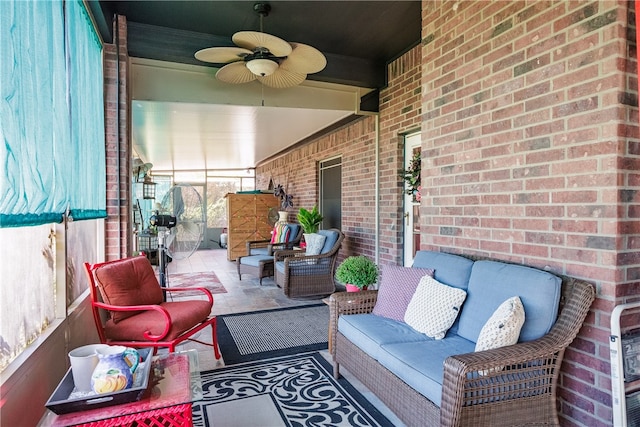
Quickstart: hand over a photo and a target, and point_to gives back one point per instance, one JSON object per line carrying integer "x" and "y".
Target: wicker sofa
{"x": 429, "y": 382}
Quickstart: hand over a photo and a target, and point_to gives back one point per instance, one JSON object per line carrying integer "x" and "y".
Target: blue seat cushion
{"x": 450, "y": 269}
{"x": 491, "y": 283}
{"x": 420, "y": 364}
{"x": 259, "y": 251}
{"x": 254, "y": 260}
{"x": 369, "y": 332}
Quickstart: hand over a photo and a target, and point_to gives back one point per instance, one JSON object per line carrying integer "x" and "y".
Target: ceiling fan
{"x": 269, "y": 59}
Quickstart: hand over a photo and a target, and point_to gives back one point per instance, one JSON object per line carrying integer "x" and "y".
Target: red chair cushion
{"x": 184, "y": 315}
{"x": 129, "y": 281}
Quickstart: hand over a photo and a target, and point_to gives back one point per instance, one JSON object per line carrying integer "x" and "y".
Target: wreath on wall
{"x": 411, "y": 177}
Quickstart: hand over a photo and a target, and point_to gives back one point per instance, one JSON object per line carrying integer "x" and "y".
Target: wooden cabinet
{"x": 247, "y": 216}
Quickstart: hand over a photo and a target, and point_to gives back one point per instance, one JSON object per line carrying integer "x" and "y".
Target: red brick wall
{"x": 400, "y": 114}
{"x": 356, "y": 143}
{"x": 297, "y": 170}
{"x": 528, "y": 113}
{"x": 118, "y": 147}
{"x": 530, "y": 147}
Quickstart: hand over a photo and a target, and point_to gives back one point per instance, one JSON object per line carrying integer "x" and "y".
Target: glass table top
{"x": 174, "y": 380}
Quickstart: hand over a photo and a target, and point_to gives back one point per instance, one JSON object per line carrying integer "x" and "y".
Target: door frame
{"x": 410, "y": 218}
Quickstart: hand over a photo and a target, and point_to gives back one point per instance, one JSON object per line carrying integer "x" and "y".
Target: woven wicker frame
{"x": 313, "y": 274}
{"x": 272, "y": 247}
{"x": 519, "y": 382}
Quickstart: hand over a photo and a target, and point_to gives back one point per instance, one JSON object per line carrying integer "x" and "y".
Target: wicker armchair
{"x": 265, "y": 247}
{"x": 523, "y": 392}
{"x": 302, "y": 275}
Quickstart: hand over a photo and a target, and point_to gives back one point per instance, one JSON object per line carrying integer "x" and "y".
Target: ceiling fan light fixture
{"x": 273, "y": 61}
{"x": 262, "y": 67}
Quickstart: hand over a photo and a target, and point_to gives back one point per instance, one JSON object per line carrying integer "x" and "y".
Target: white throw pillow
{"x": 315, "y": 243}
{"x": 434, "y": 307}
{"x": 503, "y": 327}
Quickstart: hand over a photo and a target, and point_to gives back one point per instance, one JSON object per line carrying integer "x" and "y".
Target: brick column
{"x": 118, "y": 144}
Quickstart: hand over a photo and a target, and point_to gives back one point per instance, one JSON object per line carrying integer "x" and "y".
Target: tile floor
{"x": 242, "y": 295}
{"x": 247, "y": 295}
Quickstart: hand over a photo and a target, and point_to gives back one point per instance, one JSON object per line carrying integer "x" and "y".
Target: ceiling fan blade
{"x": 282, "y": 78}
{"x": 222, "y": 55}
{"x": 251, "y": 40}
{"x": 235, "y": 73}
{"x": 304, "y": 59}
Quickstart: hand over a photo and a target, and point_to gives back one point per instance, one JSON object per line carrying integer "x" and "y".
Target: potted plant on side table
{"x": 357, "y": 272}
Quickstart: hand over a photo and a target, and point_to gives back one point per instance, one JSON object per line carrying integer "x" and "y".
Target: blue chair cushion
{"x": 330, "y": 241}
{"x": 259, "y": 251}
{"x": 491, "y": 283}
{"x": 294, "y": 230}
{"x": 452, "y": 270}
{"x": 254, "y": 260}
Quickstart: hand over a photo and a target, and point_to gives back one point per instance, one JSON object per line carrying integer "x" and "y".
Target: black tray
{"x": 60, "y": 403}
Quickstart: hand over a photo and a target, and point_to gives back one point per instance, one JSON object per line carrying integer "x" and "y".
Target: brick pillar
{"x": 118, "y": 144}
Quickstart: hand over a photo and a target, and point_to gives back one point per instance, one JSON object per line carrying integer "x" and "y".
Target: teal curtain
{"x": 52, "y": 147}
{"x": 86, "y": 88}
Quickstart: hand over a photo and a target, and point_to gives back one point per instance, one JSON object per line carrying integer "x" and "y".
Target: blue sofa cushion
{"x": 452, "y": 270}
{"x": 420, "y": 364}
{"x": 369, "y": 332}
{"x": 491, "y": 283}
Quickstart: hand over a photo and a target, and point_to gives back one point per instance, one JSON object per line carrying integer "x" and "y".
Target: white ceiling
{"x": 184, "y": 119}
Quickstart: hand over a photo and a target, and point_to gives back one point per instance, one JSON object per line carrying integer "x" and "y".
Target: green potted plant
{"x": 309, "y": 220}
{"x": 357, "y": 272}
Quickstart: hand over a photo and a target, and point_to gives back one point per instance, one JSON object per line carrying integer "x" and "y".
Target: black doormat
{"x": 265, "y": 334}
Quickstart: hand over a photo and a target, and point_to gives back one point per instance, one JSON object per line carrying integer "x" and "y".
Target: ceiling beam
{"x": 180, "y": 46}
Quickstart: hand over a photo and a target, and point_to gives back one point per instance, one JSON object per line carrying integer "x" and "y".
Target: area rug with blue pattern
{"x": 296, "y": 390}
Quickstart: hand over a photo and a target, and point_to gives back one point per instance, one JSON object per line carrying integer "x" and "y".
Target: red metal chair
{"x": 129, "y": 308}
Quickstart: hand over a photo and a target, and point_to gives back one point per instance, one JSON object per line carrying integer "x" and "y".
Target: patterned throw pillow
{"x": 397, "y": 286}
{"x": 503, "y": 327}
{"x": 434, "y": 307}
{"x": 280, "y": 233}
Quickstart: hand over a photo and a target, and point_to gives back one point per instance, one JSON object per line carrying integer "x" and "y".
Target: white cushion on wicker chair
{"x": 434, "y": 307}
